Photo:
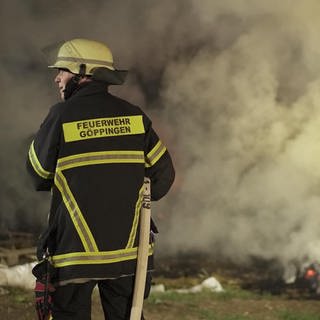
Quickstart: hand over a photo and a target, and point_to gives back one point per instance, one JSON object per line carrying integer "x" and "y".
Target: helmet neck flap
{"x": 74, "y": 83}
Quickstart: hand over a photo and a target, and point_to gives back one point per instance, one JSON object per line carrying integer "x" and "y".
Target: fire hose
{"x": 143, "y": 253}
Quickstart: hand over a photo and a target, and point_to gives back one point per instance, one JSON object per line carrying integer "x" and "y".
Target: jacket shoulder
{"x": 131, "y": 108}
{"x": 126, "y": 103}
{"x": 58, "y": 108}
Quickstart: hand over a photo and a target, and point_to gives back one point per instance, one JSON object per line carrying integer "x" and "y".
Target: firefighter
{"x": 92, "y": 152}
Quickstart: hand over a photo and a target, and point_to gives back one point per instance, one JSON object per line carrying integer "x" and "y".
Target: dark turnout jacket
{"x": 93, "y": 151}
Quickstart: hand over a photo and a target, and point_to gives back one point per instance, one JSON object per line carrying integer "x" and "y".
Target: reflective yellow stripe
{"x": 101, "y": 157}
{"x": 36, "y": 164}
{"x": 79, "y": 222}
{"x": 155, "y": 154}
{"x": 133, "y": 232}
{"x": 102, "y": 128}
{"x": 103, "y": 257}
{"x": 94, "y": 158}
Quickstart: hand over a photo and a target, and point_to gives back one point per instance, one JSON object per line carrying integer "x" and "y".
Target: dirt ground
{"x": 248, "y": 309}
{"x": 268, "y": 296}
{"x": 17, "y": 304}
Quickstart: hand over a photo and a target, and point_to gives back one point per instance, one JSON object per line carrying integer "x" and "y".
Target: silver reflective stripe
{"x": 84, "y": 159}
{"x": 102, "y": 157}
{"x": 37, "y": 165}
{"x": 79, "y": 222}
{"x": 155, "y": 154}
{"x": 90, "y": 61}
{"x": 104, "y": 257}
{"x": 135, "y": 223}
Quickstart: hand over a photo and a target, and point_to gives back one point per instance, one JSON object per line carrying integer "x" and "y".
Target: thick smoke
{"x": 233, "y": 88}
{"x": 246, "y": 112}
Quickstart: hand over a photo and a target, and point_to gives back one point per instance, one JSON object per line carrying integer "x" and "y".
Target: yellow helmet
{"x": 74, "y": 53}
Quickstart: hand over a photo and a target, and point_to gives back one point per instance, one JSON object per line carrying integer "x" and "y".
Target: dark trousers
{"x": 73, "y": 301}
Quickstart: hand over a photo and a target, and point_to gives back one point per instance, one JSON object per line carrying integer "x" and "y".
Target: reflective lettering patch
{"x": 102, "y": 127}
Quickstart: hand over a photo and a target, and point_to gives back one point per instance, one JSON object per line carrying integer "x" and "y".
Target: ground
{"x": 248, "y": 295}
{"x": 18, "y": 304}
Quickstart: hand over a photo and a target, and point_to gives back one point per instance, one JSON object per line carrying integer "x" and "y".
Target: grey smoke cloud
{"x": 247, "y": 116}
{"x": 233, "y": 88}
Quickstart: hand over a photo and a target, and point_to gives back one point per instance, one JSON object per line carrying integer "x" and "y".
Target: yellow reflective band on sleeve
{"x": 76, "y": 215}
{"x": 101, "y": 157}
{"x": 155, "y": 154}
{"x": 135, "y": 223}
{"x": 37, "y": 165}
{"x": 103, "y": 257}
{"x": 103, "y": 127}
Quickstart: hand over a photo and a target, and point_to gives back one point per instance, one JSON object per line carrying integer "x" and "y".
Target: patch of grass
{"x": 212, "y": 315}
{"x": 177, "y": 283}
{"x": 290, "y": 315}
{"x": 19, "y": 295}
{"x": 173, "y": 297}
{"x": 232, "y": 304}
{"x": 227, "y": 294}
{"x": 235, "y": 293}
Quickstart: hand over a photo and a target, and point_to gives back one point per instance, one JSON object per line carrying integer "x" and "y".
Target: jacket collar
{"x": 89, "y": 88}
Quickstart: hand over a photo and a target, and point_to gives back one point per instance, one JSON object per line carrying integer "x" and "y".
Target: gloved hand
{"x": 43, "y": 299}
{"x": 43, "y": 289}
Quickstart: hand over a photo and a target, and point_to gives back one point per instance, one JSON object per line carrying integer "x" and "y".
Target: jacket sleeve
{"x": 159, "y": 166}
{"x": 43, "y": 152}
